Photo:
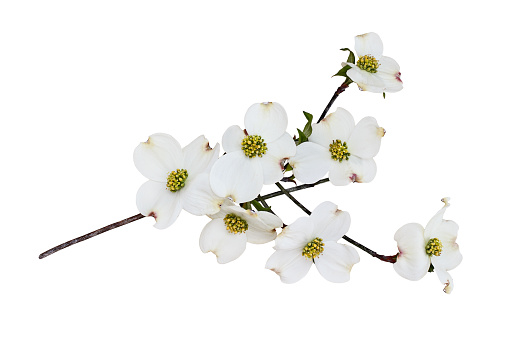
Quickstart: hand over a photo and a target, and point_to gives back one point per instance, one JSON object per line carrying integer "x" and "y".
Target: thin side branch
{"x": 295, "y": 201}
{"x": 91, "y": 235}
{"x": 292, "y": 189}
{"x": 340, "y": 90}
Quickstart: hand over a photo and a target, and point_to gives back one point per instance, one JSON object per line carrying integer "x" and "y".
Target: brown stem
{"x": 292, "y": 189}
{"x": 340, "y": 90}
{"x": 91, "y": 235}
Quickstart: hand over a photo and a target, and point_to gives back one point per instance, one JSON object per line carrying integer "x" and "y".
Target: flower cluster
{"x": 227, "y": 188}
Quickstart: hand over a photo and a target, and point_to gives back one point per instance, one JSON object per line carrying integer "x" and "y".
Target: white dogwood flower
{"x": 254, "y": 156}
{"x": 435, "y": 245}
{"x": 232, "y": 227}
{"x": 339, "y": 147}
{"x": 314, "y": 239}
{"x": 374, "y": 72}
{"x": 178, "y": 178}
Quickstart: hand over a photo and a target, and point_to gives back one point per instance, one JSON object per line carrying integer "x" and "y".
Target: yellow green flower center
{"x": 235, "y": 224}
{"x": 253, "y": 146}
{"x": 176, "y": 180}
{"x": 434, "y": 247}
{"x": 313, "y": 248}
{"x": 338, "y": 150}
{"x": 368, "y": 63}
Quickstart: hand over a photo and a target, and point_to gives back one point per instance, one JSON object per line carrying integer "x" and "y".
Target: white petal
{"x": 365, "y": 139}
{"x": 296, "y": 235}
{"x": 271, "y": 221}
{"x": 259, "y": 236}
{"x": 340, "y": 173}
{"x": 158, "y": 156}
{"x": 366, "y": 81}
{"x": 436, "y": 221}
{"x": 262, "y": 229}
{"x": 226, "y": 246}
{"x": 450, "y": 256}
{"x": 290, "y": 265}
{"x": 361, "y": 170}
{"x": 153, "y": 199}
{"x": 337, "y": 125}
{"x": 336, "y": 261}
{"x": 199, "y": 157}
{"x": 311, "y": 162}
{"x": 232, "y": 139}
{"x": 282, "y": 148}
{"x": 369, "y": 44}
{"x": 198, "y": 198}
{"x": 268, "y": 120}
{"x": 446, "y": 279}
{"x": 236, "y": 176}
{"x": 330, "y": 222}
{"x": 272, "y": 162}
{"x": 412, "y": 262}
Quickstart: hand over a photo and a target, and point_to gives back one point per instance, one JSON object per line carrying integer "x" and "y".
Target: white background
{"x": 83, "y": 82}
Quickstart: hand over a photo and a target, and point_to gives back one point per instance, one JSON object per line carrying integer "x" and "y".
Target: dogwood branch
{"x": 91, "y": 235}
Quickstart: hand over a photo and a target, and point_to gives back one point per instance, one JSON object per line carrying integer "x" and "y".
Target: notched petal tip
{"x": 446, "y": 201}
{"x": 448, "y": 287}
{"x": 381, "y": 132}
{"x": 152, "y": 214}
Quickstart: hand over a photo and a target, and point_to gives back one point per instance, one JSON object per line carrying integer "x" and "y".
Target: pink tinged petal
{"x": 198, "y": 198}
{"x": 268, "y": 120}
{"x": 362, "y": 170}
{"x": 217, "y": 239}
{"x": 336, "y": 261}
{"x": 158, "y": 156}
{"x": 366, "y": 138}
{"x": 311, "y": 162}
{"x": 199, "y": 156}
{"x": 389, "y": 72}
{"x": 290, "y": 265}
{"x": 446, "y": 279}
{"x": 412, "y": 262}
{"x": 337, "y": 125}
{"x": 330, "y": 223}
{"x": 340, "y": 173}
{"x": 296, "y": 235}
{"x": 236, "y": 176}
{"x": 369, "y": 44}
{"x": 153, "y": 199}
{"x": 232, "y": 139}
{"x": 366, "y": 81}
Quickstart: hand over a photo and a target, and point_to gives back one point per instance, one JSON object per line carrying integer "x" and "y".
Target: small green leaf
{"x": 302, "y": 137}
{"x": 259, "y": 206}
{"x": 308, "y": 129}
{"x": 351, "y": 56}
{"x": 384, "y": 94}
{"x": 342, "y": 71}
